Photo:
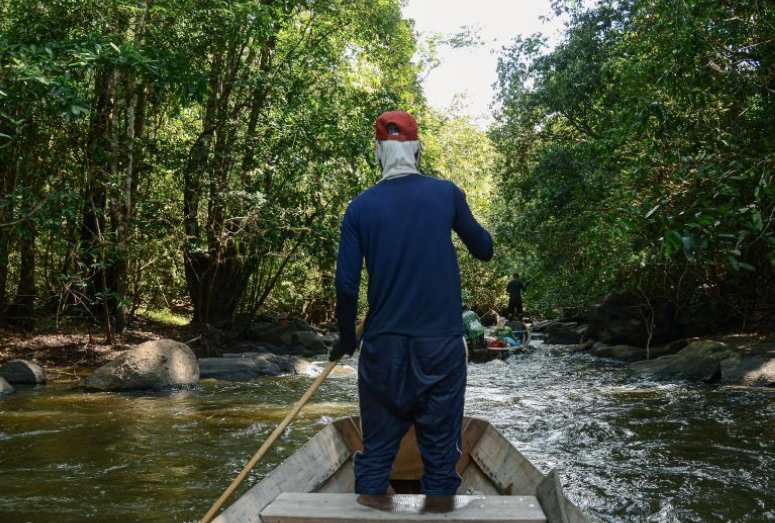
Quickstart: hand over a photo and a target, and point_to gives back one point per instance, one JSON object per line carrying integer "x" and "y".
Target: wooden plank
{"x": 331, "y": 508}
{"x": 343, "y": 481}
{"x": 350, "y": 430}
{"x": 408, "y": 463}
{"x": 472, "y": 431}
{"x": 552, "y": 499}
{"x": 305, "y": 471}
{"x": 506, "y": 467}
{"x": 557, "y": 507}
{"x": 476, "y": 483}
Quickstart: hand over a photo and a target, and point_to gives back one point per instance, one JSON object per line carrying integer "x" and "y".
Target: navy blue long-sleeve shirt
{"x": 403, "y": 228}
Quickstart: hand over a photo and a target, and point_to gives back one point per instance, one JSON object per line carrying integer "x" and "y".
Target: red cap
{"x": 396, "y": 125}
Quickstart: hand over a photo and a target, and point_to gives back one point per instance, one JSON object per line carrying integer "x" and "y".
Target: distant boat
{"x": 479, "y": 352}
{"x": 316, "y": 485}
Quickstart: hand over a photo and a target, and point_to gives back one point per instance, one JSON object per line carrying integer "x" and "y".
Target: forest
{"x": 195, "y": 157}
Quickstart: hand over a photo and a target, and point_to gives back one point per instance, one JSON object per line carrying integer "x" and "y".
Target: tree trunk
{"x": 123, "y": 175}
{"x": 216, "y": 286}
{"x": 9, "y": 159}
{"x": 23, "y": 308}
{"x": 7, "y": 186}
{"x": 95, "y": 193}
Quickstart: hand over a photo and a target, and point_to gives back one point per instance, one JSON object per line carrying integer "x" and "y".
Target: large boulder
{"x": 633, "y": 353}
{"x": 288, "y": 336}
{"x": 245, "y": 366}
{"x": 5, "y": 387}
{"x": 153, "y": 365}
{"x": 626, "y": 318}
{"x": 564, "y": 333}
{"x": 23, "y": 372}
{"x": 541, "y": 326}
{"x": 699, "y": 361}
{"x": 305, "y": 342}
{"x": 753, "y": 365}
{"x": 270, "y": 330}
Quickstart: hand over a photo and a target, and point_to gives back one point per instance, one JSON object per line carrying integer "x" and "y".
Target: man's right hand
{"x": 339, "y": 350}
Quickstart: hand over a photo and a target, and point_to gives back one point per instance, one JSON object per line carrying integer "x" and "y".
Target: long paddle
{"x": 268, "y": 443}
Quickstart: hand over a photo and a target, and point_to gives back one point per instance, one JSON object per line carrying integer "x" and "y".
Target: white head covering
{"x": 397, "y": 158}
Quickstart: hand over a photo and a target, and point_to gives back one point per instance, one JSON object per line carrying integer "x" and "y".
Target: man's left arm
{"x": 474, "y": 236}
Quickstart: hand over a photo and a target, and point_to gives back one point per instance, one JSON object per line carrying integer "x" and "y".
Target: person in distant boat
{"x": 474, "y": 329}
{"x": 515, "y": 288}
{"x": 412, "y": 367}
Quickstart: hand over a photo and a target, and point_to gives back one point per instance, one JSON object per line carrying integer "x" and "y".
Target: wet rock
{"x": 585, "y": 345}
{"x": 305, "y": 368}
{"x": 290, "y": 337}
{"x": 698, "y": 361}
{"x": 623, "y": 319}
{"x": 564, "y": 333}
{"x": 270, "y": 330}
{"x": 633, "y": 353}
{"x": 5, "y": 387}
{"x": 249, "y": 350}
{"x": 343, "y": 370}
{"x": 541, "y": 326}
{"x": 753, "y": 366}
{"x": 153, "y": 365}
{"x": 619, "y": 352}
{"x": 245, "y": 366}
{"x": 23, "y": 372}
{"x": 305, "y": 342}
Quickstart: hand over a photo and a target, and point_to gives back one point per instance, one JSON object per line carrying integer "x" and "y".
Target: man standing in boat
{"x": 412, "y": 367}
{"x": 515, "y": 288}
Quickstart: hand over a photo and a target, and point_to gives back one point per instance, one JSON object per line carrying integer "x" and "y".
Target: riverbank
{"x": 265, "y": 346}
{"x": 80, "y": 345}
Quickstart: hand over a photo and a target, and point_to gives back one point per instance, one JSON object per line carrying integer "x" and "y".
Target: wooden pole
{"x": 268, "y": 443}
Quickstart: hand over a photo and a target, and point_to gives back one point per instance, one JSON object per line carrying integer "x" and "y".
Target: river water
{"x": 628, "y": 451}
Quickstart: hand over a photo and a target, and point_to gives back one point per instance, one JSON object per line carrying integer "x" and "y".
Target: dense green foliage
{"x": 640, "y": 153}
{"x": 158, "y": 154}
{"x": 201, "y": 153}
{"x": 161, "y": 151}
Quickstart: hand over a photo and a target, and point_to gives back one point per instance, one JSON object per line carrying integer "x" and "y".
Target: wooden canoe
{"x": 479, "y": 354}
{"x": 316, "y": 484}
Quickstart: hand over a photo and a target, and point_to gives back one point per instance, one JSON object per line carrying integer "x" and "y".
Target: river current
{"x": 627, "y": 450}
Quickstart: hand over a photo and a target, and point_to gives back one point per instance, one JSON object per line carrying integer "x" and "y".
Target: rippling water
{"x": 628, "y": 451}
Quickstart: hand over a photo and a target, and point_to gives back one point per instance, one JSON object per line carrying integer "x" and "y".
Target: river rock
{"x": 633, "y": 353}
{"x": 270, "y": 330}
{"x": 541, "y": 326}
{"x": 564, "y": 333}
{"x": 245, "y": 366}
{"x": 753, "y": 365}
{"x": 622, "y": 319}
{"x": 585, "y": 345}
{"x": 699, "y": 361}
{"x": 153, "y": 365}
{"x": 5, "y": 387}
{"x": 305, "y": 342}
{"x": 23, "y": 372}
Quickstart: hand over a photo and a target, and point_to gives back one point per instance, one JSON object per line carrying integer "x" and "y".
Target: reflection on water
{"x": 628, "y": 451}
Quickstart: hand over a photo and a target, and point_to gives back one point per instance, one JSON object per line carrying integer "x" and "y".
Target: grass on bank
{"x": 165, "y": 316}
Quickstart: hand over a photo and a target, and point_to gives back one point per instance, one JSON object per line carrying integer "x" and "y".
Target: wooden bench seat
{"x": 292, "y": 507}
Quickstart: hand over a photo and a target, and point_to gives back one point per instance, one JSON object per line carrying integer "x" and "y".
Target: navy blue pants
{"x": 404, "y": 381}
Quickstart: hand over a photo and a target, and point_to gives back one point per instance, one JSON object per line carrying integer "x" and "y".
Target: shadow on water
{"x": 628, "y": 451}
